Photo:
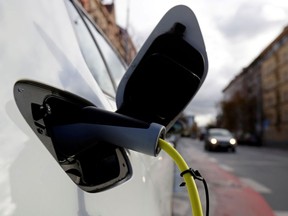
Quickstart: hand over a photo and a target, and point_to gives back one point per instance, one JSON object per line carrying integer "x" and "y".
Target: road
{"x": 263, "y": 169}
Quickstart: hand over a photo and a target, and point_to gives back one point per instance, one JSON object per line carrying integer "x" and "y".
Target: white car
{"x": 58, "y": 94}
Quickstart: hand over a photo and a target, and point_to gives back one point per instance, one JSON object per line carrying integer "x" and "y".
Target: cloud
{"x": 252, "y": 19}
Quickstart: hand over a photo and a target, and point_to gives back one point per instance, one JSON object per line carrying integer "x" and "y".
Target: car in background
{"x": 219, "y": 138}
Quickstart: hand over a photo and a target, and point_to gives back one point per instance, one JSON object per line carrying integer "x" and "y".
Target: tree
{"x": 239, "y": 114}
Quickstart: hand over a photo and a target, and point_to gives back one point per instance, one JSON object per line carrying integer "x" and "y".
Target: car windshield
{"x": 219, "y": 132}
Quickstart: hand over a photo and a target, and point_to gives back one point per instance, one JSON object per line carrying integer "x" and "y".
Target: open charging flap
{"x": 167, "y": 71}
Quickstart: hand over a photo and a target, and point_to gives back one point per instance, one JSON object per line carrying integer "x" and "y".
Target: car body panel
{"x": 37, "y": 42}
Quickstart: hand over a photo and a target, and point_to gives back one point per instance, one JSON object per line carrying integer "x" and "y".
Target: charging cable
{"x": 189, "y": 175}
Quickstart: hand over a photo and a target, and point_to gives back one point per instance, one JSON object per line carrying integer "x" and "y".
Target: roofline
{"x": 260, "y": 56}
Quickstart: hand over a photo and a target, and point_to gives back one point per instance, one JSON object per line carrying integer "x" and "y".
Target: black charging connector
{"x": 95, "y": 126}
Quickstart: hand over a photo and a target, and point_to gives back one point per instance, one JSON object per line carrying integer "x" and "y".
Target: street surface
{"x": 251, "y": 182}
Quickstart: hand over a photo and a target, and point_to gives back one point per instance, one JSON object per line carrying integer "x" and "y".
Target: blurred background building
{"x": 255, "y": 102}
{"x": 104, "y": 16}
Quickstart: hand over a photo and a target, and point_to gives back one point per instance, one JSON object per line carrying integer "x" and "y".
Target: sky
{"x": 235, "y": 32}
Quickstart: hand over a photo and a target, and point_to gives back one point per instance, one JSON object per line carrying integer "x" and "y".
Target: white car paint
{"x": 37, "y": 42}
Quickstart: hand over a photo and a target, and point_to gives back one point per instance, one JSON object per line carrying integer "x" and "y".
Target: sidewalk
{"x": 228, "y": 195}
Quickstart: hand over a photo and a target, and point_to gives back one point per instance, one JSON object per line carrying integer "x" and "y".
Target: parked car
{"x": 219, "y": 138}
{"x": 248, "y": 139}
{"x": 63, "y": 87}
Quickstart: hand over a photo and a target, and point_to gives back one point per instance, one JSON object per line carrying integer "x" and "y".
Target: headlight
{"x": 232, "y": 141}
{"x": 213, "y": 141}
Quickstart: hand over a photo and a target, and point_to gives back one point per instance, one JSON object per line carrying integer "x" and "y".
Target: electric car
{"x": 67, "y": 100}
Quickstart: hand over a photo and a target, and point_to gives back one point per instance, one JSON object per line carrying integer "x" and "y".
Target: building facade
{"x": 274, "y": 74}
{"x": 263, "y": 85}
{"x": 104, "y": 16}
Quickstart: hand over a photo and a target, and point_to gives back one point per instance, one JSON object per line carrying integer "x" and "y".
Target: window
{"x": 268, "y": 66}
{"x": 284, "y": 95}
{"x": 269, "y": 82}
{"x": 284, "y": 57}
{"x": 284, "y": 114}
{"x": 284, "y": 74}
{"x": 269, "y": 99}
{"x": 115, "y": 65}
{"x": 90, "y": 52}
{"x": 271, "y": 117}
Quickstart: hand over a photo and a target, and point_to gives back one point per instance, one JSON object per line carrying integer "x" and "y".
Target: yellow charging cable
{"x": 190, "y": 183}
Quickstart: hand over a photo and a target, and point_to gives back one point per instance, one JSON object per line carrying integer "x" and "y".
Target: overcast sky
{"x": 235, "y": 32}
